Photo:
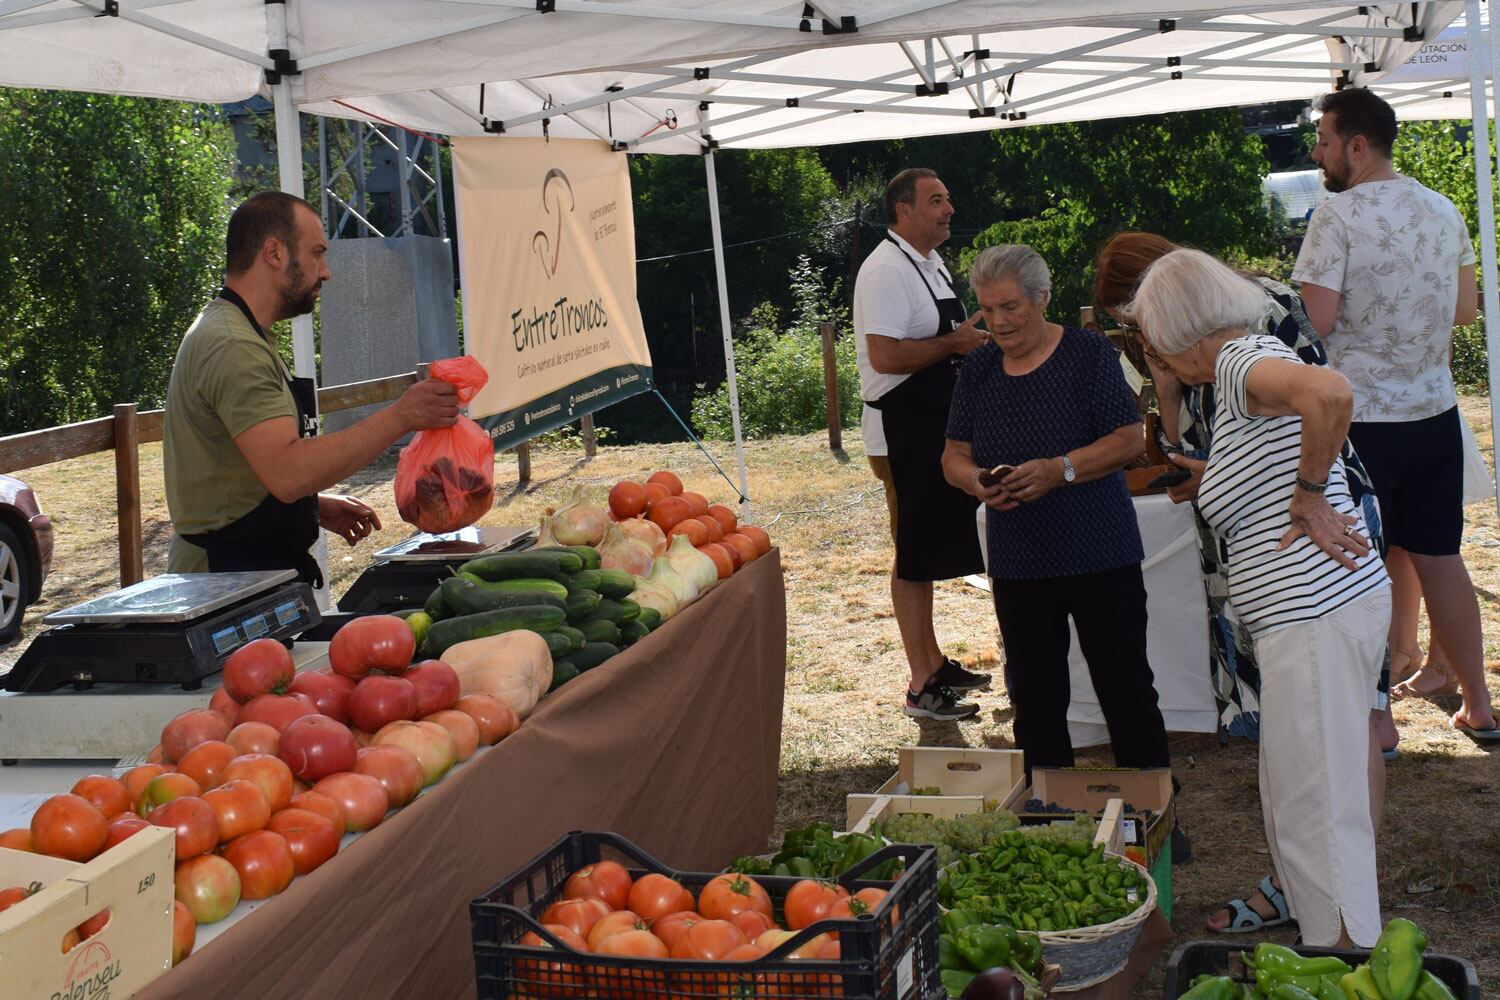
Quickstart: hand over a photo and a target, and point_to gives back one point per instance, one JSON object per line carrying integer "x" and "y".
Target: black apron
{"x": 274, "y": 535}
{"x": 936, "y": 534}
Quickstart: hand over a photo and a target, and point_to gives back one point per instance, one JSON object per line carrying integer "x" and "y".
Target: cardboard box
{"x": 133, "y": 880}
{"x": 1088, "y": 790}
{"x": 998, "y": 775}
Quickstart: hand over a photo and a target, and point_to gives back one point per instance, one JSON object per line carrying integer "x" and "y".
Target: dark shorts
{"x": 1417, "y": 468}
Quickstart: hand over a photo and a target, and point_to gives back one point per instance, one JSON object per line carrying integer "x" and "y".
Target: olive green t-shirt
{"x": 227, "y": 378}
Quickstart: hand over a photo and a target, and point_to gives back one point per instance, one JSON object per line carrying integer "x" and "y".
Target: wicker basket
{"x": 1090, "y": 955}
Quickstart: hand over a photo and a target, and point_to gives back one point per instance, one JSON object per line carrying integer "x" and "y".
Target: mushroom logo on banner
{"x": 547, "y": 256}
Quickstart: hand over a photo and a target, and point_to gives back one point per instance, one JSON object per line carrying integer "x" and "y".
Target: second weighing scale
{"x": 404, "y": 575}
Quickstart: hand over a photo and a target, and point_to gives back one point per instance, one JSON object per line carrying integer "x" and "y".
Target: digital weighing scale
{"x": 404, "y": 575}
{"x": 171, "y": 629}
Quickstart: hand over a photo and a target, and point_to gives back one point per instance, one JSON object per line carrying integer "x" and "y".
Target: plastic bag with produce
{"x": 445, "y": 478}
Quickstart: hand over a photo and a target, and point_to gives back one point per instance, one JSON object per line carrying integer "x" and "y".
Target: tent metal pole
{"x": 727, "y": 327}
{"x": 1484, "y": 197}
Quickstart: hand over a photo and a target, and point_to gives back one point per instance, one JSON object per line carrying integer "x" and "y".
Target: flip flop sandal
{"x": 1491, "y": 735}
{"x": 1244, "y": 920}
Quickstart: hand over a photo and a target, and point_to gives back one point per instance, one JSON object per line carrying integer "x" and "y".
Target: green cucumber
{"x": 562, "y": 672}
{"x": 632, "y": 610}
{"x": 588, "y": 579}
{"x": 558, "y": 644}
{"x": 465, "y": 597}
{"x": 592, "y": 654}
{"x": 617, "y": 611}
{"x": 586, "y": 554}
{"x": 582, "y": 604}
{"x": 521, "y": 565}
{"x": 436, "y": 607}
{"x": 525, "y": 583}
{"x": 650, "y": 617}
{"x": 600, "y": 630}
{"x": 452, "y": 631}
{"x": 632, "y": 632}
{"x": 615, "y": 583}
{"x": 574, "y": 637}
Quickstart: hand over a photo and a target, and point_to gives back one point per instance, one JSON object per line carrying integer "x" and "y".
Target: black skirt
{"x": 937, "y": 537}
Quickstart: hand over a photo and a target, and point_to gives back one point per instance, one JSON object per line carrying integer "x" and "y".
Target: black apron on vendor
{"x": 275, "y": 534}
{"x": 936, "y": 536}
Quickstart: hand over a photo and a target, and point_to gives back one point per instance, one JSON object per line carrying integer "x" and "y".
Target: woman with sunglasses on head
{"x": 1186, "y": 435}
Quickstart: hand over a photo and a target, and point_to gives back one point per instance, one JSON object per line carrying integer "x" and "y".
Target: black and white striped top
{"x": 1245, "y": 497}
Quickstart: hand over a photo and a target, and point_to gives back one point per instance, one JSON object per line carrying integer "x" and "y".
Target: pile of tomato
{"x": 604, "y": 911}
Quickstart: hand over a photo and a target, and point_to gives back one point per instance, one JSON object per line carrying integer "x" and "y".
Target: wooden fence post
{"x": 523, "y": 463}
{"x": 128, "y": 493}
{"x": 831, "y": 388}
{"x": 590, "y": 439}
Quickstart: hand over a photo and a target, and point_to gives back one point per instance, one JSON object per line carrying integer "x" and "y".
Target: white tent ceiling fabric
{"x": 457, "y": 67}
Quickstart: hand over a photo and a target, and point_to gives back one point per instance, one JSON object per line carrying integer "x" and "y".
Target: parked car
{"x": 25, "y": 553}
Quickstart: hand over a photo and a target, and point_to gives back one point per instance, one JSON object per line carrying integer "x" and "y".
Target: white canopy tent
{"x": 679, "y": 77}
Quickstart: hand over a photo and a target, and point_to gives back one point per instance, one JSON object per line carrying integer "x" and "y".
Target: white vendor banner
{"x": 547, "y": 259}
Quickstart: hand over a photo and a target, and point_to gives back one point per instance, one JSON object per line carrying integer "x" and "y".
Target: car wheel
{"x": 15, "y": 583}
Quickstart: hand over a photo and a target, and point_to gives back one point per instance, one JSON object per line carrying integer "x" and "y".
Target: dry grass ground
{"x": 1440, "y": 843}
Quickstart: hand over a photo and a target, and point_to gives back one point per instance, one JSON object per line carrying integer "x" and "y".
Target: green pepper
{"x": 1214, "y": 988}
{"x": 857, "y": 847}
{"x": 1287, "y": 991}
{"x": 956, "y": 982}
{"x": 984, "y": 946}
{"x": 955, "y": 919}
{"x": 1360, "y": 985}
{"x": 1396, "y": 962}
{"x": 1430, "y": 987}
{"x": 1266, "y": 982}
{"x": 1026, "y": 952}
{"x": 948, "y": 956}
{"x": 1328, "y": 988}
{"x": 781, "y": 870}
{"x": 800, "y": 867}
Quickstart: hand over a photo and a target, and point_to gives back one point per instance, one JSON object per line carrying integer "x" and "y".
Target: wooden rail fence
{"x": 124, "y": 431}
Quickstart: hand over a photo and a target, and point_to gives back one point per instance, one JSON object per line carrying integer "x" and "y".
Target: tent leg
{"x": 727, "y": 326}
{"x": 1484, "y": 179}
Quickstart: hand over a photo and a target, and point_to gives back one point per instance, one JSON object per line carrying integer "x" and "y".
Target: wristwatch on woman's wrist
{"x": 1069, "y": 473}
{"x": 1309, "y": 486}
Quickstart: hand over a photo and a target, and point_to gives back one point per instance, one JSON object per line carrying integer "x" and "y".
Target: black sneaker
{"x": 938, "y": 702}
{"x": 955, "y": 678}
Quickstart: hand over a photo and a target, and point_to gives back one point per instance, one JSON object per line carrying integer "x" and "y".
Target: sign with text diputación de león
{"x": 547, "y": 259}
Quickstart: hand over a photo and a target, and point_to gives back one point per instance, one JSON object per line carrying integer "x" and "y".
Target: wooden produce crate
{"x": 133, "y": 880}
{"x": 999, "y": 775}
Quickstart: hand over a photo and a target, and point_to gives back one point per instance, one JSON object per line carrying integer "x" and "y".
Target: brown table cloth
{"x": 674, "y": 744}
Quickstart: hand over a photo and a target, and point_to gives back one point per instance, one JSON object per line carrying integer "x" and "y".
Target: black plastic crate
{"x": 1218, "y": 959}
{"x": 888, "y": 954}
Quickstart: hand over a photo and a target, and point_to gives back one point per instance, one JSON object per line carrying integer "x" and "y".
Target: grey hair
{"x": 1018, "y": 262}
{"x": 1188, "y": 295}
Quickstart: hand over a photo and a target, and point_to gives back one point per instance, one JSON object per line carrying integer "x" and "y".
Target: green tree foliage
{"x": 111, "y": 239}
{"x": 1194, "y": 177}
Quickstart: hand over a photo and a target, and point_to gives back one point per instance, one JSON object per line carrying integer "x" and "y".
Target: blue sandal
{"x": 1242, "y": 916}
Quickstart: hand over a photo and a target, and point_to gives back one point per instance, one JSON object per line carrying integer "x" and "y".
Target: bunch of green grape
{"x": 1081, "y": 827}
{"x": 953, "y": 837}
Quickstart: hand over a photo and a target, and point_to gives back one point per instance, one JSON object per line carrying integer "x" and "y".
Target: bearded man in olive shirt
{"x": 243, "y": 462}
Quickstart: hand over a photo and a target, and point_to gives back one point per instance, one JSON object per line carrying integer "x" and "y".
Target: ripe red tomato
{"x": 709, "y": 940}
{"x": 359, "y": 797}
{"x": 316, "y": 746}
{"x": 379, "y": 700}
{"x": 254, "y": 737}
{"x": 240, "y": 808}
{"x": 106, "y": 794}
{"x": 123, "y": 826}
{"x": 809, "y": 901}
{"x": 225, "y": 705}
{"x": 184, "y": 931}
{"x": 460, "y": 726}
{"x": 198, "y": 725}
{"x": 627, "y": 499}
{"x": 316, "y": 802}
{"x": 18, "y": 839}
{"x": 552, "y": 980}
{"x": 93, "y": 925}
{"x": 397, "y": 770}
{"x": 436, "y": 685}
{"x": 68, "y": 826}
{"x": 495, "y": 718}
{"x": 656, "y": 895}
{"x": 137, "y": 778}
{"x": 205, "y": 763}
{"x": 373, "y": 642}
{"x": 208, "y": 886}
{"x": 329, "y": 692}
{"x": 194, "y": 820}
{"x": 667, "y": 479}
{"x": 727, "y": 895}
{"x": 614, "y": 923}
{"x": 164, "y": 788}
{"x": 579, "y": 915}
{"x": 862, "y": 902}
{"x": 10, "y": 897}
{"x": 269, "y": 774}
{"x": 606, "y": 880}
{"x": 628, "y": 982}
{"x": 277, "y": 710}
{"x": 753, "y": 922}
{"x": 427, "y": 741}
{"x": 264, "y": 862}
{"x": 263, "y": 666}
{"x": 311, "y": 837}
{"x": 673, "y": 926}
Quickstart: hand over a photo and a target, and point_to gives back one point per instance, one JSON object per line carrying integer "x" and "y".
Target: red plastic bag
{"x": 445, "y": 478}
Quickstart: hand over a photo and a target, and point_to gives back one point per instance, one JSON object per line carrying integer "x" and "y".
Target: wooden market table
{"x": 674, "y": 744}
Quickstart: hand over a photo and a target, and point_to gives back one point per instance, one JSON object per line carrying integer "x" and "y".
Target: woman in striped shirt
{"x": 1303, "y": 578}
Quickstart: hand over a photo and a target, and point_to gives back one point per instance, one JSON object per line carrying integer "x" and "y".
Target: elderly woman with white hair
{"x": 1302, "y": 578}
{"x": 1051, "y": 402}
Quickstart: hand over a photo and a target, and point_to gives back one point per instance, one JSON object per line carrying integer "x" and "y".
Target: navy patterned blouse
{"x": 1071, "y": 400}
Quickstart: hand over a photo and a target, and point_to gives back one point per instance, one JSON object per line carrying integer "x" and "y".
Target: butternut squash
{"x": 514, "y": 667}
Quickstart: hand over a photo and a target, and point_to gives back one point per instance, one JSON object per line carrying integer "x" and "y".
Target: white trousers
{"x": 1315, "y": 698}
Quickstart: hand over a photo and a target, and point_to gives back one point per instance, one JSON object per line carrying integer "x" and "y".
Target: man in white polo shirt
{"x": 911, "y": 334}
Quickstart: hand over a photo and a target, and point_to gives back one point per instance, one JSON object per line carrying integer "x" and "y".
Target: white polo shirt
{"x": 893, "y": 299}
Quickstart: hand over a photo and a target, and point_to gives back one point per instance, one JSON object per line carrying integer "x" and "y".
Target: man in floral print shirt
{"x": 1387, "y": 270}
